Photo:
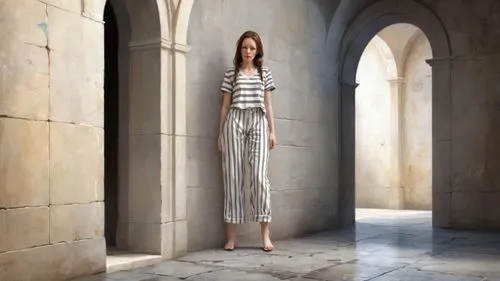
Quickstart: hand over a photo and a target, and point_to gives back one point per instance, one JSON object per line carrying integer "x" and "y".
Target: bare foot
{"x": 231, "y": 237}
{"x": 268, "y": 246}
{"x": 230, "y": 245}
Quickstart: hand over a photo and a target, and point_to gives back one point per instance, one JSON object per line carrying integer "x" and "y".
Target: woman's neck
{"x": 247, "y": 65}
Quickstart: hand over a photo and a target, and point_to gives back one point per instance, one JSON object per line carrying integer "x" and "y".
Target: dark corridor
{"x": 110, "y": 125}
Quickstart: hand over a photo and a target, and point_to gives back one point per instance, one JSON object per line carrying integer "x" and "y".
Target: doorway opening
{"x": 393, "y": 120}
{"x": 111, "y": 124}
{"x": 126, "y": 230}
{"x": 393, "y": 124}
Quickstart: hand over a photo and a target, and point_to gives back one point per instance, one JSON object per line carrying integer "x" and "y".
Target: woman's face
{"x": 248, "y": 50}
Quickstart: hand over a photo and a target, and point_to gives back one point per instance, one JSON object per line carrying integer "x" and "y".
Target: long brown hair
{"x": 258, "y": 60}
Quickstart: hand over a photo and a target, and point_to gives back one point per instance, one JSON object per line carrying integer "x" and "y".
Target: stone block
{"x": 213, "y": 234}
{"x": 204, "y": 163}
{"x": 77, "y": 77}
{"x": 441, "y": 104}
{"x": 73, "y": 6}
{"x": 206, "y": 207}
{"x": 180, "y": 238}
{"x": 441, "y": 166}
{"x": 76, "y": 222}
{"x": 147, "y": 27}
{"x": 63, "y": 261}
{"x": 94, "y": 9}
{"x": 76, "y": 164}
{"x": 146, "y": 93}
{"x": 24, "y": 228}
{"x": 470, "y": 126}
{"x": 285, "y": 103}
{"x": 145, "y": 189}
{"x": 167, "y": 241}
{"x": 203, "y": 103}
{"x": 23, "y": 22}
{"x": 145, "y": 238}
{"x": 167, "y": 178}
{"x": 24, "y": 68}
{"x": 76, "y": 92}
{"x": 298, "y": 132}
{"x": 178, "y": 152}
{"x": 297, "y": 167}
{"x": 71, "y": 33}
{"x": 24, "y": 163}
{"x": 475, "y": 210}
{"x": 441, "y": 209}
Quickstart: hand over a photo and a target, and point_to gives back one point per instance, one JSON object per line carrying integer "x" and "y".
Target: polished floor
{"x": 387, "y": 245}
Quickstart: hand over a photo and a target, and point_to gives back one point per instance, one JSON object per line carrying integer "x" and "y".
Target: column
{"x": 397, "y": 156}
{"x": 140, "y": 214}
{"x": 174, "y": 210}
{"x": 441, "y": 141}
{"x": 346, "y": 198}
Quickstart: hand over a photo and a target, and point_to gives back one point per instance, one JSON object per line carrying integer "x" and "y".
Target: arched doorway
{"x": 364, "y": 27}
{"x": 138, "y": 194}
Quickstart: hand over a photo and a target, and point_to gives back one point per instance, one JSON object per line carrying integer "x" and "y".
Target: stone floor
{"x": 386, "y": 246}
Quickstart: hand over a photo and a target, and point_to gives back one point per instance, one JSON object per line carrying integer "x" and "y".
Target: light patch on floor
{"x": 384, "y": 245}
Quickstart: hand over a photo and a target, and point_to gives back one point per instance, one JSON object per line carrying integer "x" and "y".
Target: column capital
{"x": 436, "y": 61}
{"x": 459, "y": 58}
{"x": 159, "y": 43}
{"x": 349, "y": 84}
{"x": 397, "y": 80}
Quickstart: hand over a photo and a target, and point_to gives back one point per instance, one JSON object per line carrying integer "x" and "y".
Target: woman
{"x": 247, "y": 128}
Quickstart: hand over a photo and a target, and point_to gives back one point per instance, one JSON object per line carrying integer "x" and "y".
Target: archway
{"x": 393, "y": 122}
{"x": 364, "y": 27}
{"x": 138, "y": 201}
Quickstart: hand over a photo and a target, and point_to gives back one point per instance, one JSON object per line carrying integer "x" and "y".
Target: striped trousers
{"x": 245, "y": 133}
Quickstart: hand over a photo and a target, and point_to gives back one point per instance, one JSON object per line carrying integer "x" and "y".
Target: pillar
{"x": 396, "y": 139}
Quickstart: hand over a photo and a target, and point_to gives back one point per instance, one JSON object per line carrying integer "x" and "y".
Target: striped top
{"x": 248, "y": 91}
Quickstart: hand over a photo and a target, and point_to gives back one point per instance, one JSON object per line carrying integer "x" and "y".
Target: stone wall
{"x": 51, "y": 141}
{"x": 303, "y": 166}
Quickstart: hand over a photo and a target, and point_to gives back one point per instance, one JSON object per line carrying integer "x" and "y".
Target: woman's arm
{"x": 226, "y": 101}
{"x": 269, "y": 111}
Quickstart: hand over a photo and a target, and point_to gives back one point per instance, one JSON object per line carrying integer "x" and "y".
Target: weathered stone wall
{"x": 303, "y": 166}
{"x": 51, "y": 172}
{"x": 475, "y": 181}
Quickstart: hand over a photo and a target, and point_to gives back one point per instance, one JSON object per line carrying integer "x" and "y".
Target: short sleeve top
{"x": 248, "y": 90}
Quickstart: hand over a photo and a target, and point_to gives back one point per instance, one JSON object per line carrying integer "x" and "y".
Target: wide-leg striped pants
{"x": 246, "y": 130}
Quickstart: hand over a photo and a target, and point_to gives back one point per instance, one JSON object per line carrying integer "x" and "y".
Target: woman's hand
{"x": 219, "y": 143}
{"x": 272, "y": 141}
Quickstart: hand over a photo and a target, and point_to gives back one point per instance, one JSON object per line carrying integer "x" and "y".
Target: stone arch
{"x": 407, "y": 49}
{"x": 362, "y": 29}
{"x": 182, "y": 21}
{"x": 387, "y": 55}
{"x": 146, "y": 222}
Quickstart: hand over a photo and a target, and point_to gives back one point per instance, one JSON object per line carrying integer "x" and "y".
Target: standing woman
{"x": 247, "y": 125}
